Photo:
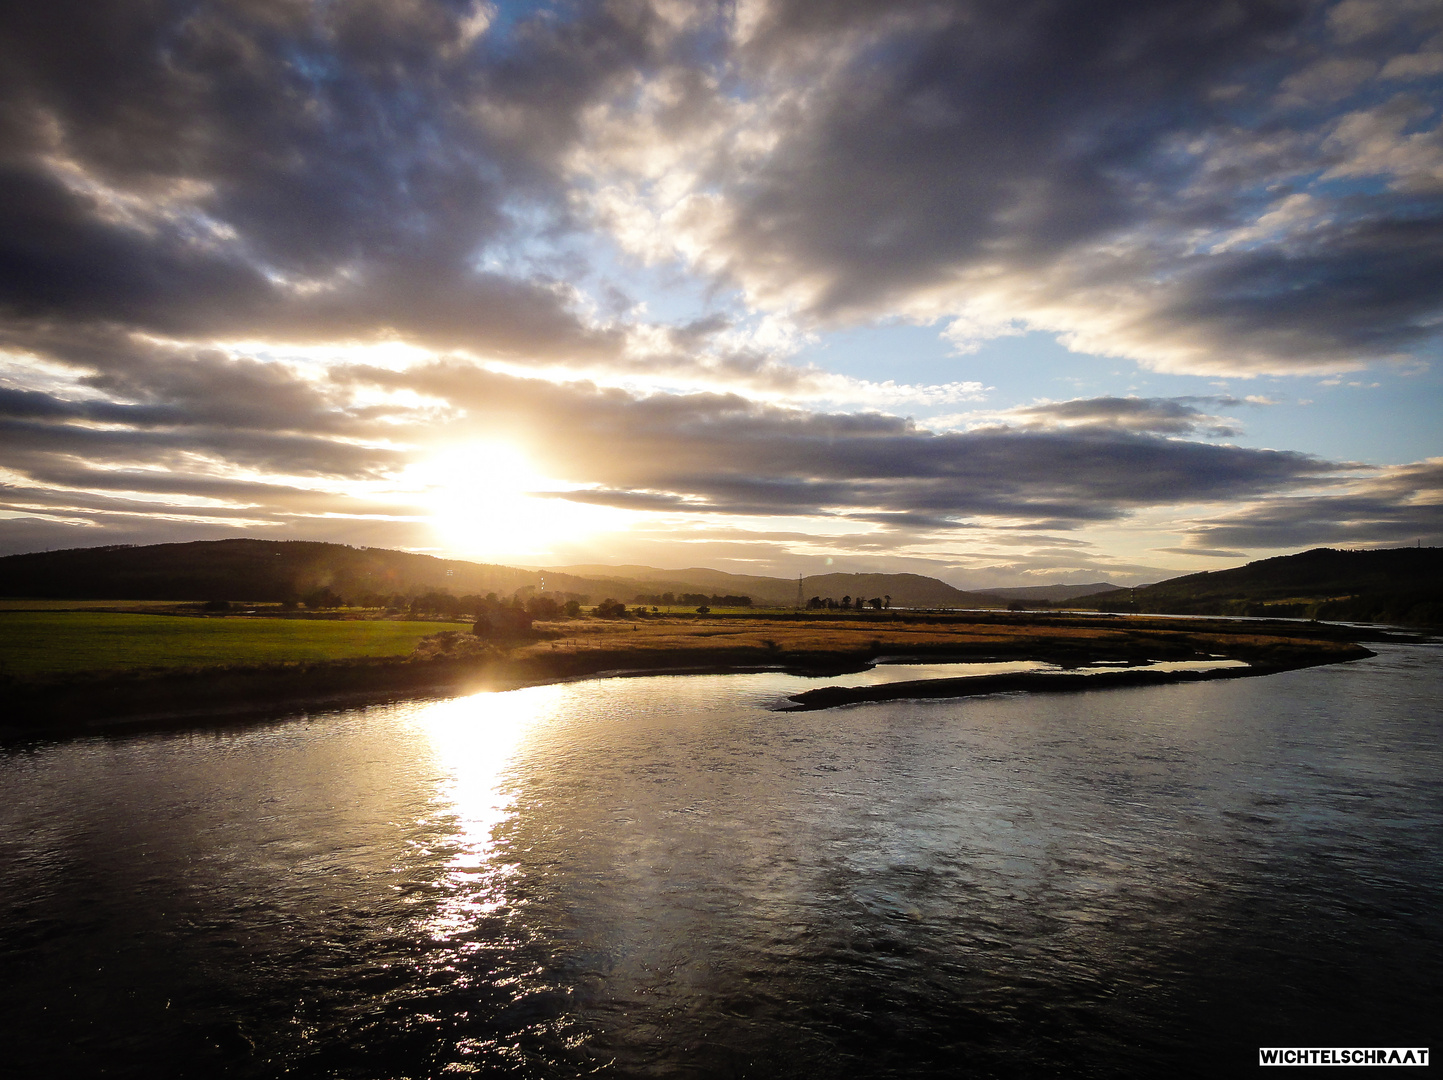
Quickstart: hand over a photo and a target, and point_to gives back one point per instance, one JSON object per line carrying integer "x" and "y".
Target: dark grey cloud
{"x": 955, "y": 131}
{"x": 1235, "y": 187}
{"x": 287, "y": 169}
{"x": 725, "y": 453}
{"x": 341, "y": 172}
{"x": 1398, "y": 506}
{"x": 717, "y": 454}
{"x": 1162, "y": 416}
{"x": 1209, "y": 553}
{"x": 1129, "y": 173}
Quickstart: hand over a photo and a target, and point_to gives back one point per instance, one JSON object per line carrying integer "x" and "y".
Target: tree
{"x": 322, "y": 598}
{"x": 542, "y": 607}
{"x": 499, "y": 622}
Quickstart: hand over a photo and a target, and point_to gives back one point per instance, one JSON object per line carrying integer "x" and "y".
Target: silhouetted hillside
{"x": 625, "y": 582}
{"x": 1394, "y": 585}
{"x": 906, "y": 590}
{"x": 274, "y": 571}
{"x": 259, "y": 570}
{"x": 1051, "y": 593}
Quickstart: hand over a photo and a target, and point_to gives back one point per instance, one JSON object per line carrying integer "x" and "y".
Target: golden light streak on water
{"x": 475, "y": 740}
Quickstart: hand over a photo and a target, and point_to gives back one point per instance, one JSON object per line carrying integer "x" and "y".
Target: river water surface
{"x": 666, "y": 877}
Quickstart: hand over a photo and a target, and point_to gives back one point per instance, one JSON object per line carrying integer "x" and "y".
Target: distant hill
{"x": 263, "y": 570}
{"x": 1052, "y": 593}
{"x": 271, "y": 570}
{"x": 1394, "y": 585}
{"x": 625, "y": 582}
{"x": 906, "y": 590}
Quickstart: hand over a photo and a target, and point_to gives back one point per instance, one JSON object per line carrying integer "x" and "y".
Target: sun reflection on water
{"x": 475, "y": 740}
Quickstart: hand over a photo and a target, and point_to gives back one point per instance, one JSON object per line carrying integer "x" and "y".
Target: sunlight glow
{"x": 488, "y": 500}
{"x": 475, "y": 741}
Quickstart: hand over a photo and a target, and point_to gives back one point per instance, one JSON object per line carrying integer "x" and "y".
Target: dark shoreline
{"x": 125, "y": 701}
{"x": 146, "y": 699}
{"x": 1039, "y": 682}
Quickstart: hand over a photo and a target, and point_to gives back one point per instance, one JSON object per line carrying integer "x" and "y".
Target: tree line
{"x": 688, "y": 599}
{"x": 847, "y": 603}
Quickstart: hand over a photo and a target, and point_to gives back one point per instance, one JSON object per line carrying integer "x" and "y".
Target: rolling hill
{"x": 273, "y": 571}
{"x": 1394, "y": 585}
{"x": 906, "y": 590}
{"x": 1052, "y": 593}
{"x": 257, "y": 570}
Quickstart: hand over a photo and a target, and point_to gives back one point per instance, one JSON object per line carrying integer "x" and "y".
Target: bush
{"x": 543, "y": 607}
{"x": 500, "y": 622}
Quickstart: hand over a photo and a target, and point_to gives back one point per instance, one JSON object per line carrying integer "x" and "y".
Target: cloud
{"x": 1208, "y": 553}
{"x": 266, "y": 442}
{"x": 1161, "y": 416}
{"x": 303, "y": 173}
{"x": 1397, "y": 505}
{"x": 216, "y": 218}
{"x": 289, "y": 171}
{"x": 1325, "y": 81}
{"x": 1067, "y": 167}
{"x": 728, "y": 453}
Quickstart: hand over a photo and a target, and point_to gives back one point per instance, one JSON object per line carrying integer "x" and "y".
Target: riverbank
{"x": 454, "y": 662}
{"x": 830, "y": 697}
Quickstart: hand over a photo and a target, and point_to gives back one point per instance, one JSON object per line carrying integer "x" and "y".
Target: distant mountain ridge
{"x": 1393, "y": 585}
{"x": 1052, "y": 593}
{"x": 278, "y": 570}
{"x": 243, "y": 569}
{"x": 1400, "y": 585}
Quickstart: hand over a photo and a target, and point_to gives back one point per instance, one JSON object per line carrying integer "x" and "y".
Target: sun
{"x": 487, "y": 499}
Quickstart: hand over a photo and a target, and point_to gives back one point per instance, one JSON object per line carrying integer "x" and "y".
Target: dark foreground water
{"x": 662, "y": 877}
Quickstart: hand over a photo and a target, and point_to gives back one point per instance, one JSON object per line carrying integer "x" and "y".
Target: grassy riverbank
{"x": 1067, "y": 639}
{"x": 50, "y": 643}
{"x": 194, "y": 668}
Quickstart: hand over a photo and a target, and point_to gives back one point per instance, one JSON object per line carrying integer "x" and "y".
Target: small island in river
{"x": 453, "y": 661}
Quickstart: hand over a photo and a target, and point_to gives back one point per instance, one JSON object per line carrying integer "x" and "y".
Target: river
{"x": 659, "y": 877}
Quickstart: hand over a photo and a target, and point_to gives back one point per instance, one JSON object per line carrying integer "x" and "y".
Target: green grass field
{"x": 86, "y": 605}
{"x": 55, "y": 642}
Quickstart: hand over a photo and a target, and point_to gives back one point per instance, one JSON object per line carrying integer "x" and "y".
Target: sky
{"x": 1001, "y": 292}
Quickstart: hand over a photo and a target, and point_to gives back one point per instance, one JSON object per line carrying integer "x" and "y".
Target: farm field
{"x": 49, "y": 642}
